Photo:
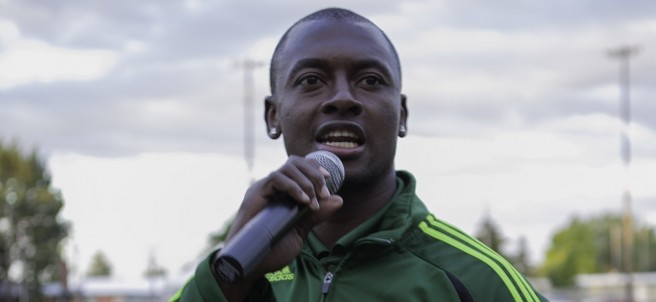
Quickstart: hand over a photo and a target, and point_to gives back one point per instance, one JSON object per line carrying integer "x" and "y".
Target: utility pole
{"x": 623, "y": 54}
{"x": 249, "y": 65}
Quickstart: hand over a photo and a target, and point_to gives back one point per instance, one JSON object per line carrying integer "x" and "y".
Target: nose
{"x": 343, "y": 102}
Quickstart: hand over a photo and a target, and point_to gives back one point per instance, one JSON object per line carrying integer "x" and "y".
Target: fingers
{"x": 329, "y": 206}
{"x": 304, "y": 180}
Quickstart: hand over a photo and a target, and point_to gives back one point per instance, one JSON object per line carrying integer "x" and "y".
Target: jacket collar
{"x": 385, "y": 227}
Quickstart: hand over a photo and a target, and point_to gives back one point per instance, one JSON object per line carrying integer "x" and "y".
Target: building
{"x": 110, "y": 289}
{"x": 612, "y": 287}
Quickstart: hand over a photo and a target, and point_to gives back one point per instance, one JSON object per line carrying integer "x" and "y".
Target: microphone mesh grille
{"x": 333, "y": 164}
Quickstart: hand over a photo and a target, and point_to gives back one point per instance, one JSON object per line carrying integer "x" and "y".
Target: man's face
{"x": 338, "y": 89}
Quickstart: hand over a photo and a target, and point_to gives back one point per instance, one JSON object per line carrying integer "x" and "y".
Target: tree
{"x": 221, "y": 235}
{"x": 100, "y": 266}
{"x": 490, "y": 234}
{"x": 645, "y": 249}
{"x": 573, "y": 251}
{"x": 593, "y": 246}
{"x": 520, "y": 260}
{"x": 154, "y": 270}
{"x": 30, "y": 230}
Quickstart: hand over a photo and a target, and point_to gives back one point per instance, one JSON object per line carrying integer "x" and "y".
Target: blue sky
{"x": 138, "y": 108}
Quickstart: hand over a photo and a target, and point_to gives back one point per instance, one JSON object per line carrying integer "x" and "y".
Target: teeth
{"x": 340, "y": 139}
{"x": 340, "y": 133}
{"x": 342, "y": 144}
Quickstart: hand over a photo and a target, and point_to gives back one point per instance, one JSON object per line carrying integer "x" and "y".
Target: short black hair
{"x": 338, "y": 14}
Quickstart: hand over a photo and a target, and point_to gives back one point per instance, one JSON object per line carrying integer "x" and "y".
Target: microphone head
{"x": 333, "y": 164}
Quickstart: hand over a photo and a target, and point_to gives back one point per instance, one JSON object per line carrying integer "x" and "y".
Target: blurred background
{"x": 130, "y": 130}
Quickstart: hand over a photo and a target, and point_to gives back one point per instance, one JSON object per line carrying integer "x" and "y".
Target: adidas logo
{"x": 285, "y": 274}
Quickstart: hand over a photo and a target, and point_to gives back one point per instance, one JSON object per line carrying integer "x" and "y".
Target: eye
{"x": 371, "y": 80}
{"x": 309, "y": 81}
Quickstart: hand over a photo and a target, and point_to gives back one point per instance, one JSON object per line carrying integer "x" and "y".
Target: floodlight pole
{"x": 249, "y": 65}
{"x": 623, "y": 54}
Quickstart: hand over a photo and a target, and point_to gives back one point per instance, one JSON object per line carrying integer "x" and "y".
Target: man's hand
{"x": 302, "y": 179}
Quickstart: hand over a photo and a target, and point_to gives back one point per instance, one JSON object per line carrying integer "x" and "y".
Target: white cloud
{"x": 25, "y": 60}
{"x": 8, "y": 32}
{"x": 134, "y": 46}
{"x": 534, "y": 145}
{"x": 596, "y": 124}
{"x": 162, "y": 203}
{"x": 192, "y": 5}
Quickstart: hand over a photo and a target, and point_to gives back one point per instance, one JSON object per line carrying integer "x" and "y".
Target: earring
{"x": 273, "y": 131}
{"x": 402, "y": 131}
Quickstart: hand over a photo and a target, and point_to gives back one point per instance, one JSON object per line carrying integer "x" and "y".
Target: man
{"x": 336, "y": 86}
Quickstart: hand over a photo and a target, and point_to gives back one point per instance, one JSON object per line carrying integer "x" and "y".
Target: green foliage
{"x": 153, "y": 269}
{"x": 221, "y": 235}
{"x": 644, "y": 251}
{"x": 521, "y": 260}
{"x": 30, "y": 230}
{"x": 490, "y": 234}
{"x": 594, "y": 246}
{"x": 573, "y": 251}
{"x": 100, "y": 266}
{"x": 152, "y": 272}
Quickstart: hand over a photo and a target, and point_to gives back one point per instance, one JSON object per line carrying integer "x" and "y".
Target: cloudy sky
{"x": 138, "y": 108}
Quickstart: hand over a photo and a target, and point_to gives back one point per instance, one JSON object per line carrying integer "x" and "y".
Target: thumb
{"x": 328, "y": 207}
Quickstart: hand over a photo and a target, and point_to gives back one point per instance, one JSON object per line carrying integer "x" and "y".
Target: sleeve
{"x": 203, "y": 287}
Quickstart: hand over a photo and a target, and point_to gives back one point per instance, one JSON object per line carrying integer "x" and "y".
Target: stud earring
{"x": 402, "y": 131}
{"x": 273, "y": 131}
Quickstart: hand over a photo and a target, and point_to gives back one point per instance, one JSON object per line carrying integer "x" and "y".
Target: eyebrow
{"x": 308, "y": 63}
{"x": 375, "y": 64}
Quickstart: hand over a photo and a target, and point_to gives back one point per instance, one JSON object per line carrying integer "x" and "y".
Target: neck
{"x": 360, "y": 203}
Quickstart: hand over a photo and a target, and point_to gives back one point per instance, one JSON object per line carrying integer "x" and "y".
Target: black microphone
{"x": 239, "y": 256}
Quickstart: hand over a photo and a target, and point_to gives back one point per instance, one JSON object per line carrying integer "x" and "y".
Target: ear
{"x": 403, "y": 120}
{"x": 271, "y": 118}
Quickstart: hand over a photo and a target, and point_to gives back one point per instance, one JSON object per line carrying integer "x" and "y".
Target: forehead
{"x": 336, "y": 40}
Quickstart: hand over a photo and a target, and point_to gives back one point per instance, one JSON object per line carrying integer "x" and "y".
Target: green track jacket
{"x": 403, "y": 253}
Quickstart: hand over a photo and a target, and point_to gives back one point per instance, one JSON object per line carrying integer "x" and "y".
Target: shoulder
{"x": 484, "y": 273}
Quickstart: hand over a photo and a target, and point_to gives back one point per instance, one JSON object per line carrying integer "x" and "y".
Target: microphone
{"x": 238, "y": 258}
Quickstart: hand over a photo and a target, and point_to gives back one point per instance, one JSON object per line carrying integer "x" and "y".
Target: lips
{"x": 347, "y": 136}
{"x": 340, "y": 139}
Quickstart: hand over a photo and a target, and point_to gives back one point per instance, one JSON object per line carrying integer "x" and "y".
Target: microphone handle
{"x": 241, "y": 254}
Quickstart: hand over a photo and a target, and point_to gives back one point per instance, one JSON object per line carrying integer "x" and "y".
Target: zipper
{"x": 327, "y": 280}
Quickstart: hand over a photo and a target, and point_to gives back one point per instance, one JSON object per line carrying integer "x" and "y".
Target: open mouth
{"x": 340, "y": 139}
